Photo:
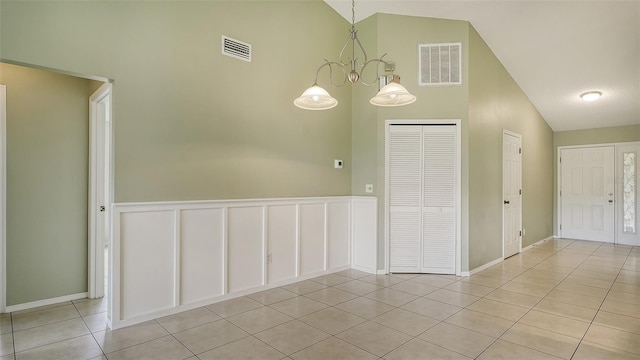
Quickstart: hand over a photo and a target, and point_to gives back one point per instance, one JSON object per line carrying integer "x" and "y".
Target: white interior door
{"x": 587, "y": 193}
{"x": 439, "y": 199}
{"x": 405, "y": 184}
{"x": 3, "y": 199}
{"x": 512, "y": 193}
{"x": 100, "y": 188}
{"x": 422, "y": 180}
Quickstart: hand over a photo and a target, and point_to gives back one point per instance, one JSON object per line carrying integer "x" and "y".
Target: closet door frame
{"x": 458, "y": 124}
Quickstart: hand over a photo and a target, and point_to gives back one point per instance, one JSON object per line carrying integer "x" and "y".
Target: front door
{"x": 587, "y": 193}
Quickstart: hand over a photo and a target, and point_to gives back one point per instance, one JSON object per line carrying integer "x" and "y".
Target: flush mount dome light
{"x": 591, "y": 95}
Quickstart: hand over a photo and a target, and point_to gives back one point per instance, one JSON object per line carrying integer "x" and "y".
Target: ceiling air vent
{"x": 237, "y": 49}
{"x": 440, "y": 64}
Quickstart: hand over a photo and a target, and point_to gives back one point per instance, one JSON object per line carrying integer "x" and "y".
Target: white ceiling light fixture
{"x": 590, "y": 95}
{"x": 392, "y": 94}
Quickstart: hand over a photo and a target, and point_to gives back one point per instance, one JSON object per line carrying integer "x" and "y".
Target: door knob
{"x": 507, "y": 202}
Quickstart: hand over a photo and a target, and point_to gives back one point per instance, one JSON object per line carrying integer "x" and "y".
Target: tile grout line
{"x": 530, "y": 309}
{"x": 599, "y": 307}
{"x": 13, "y": 337}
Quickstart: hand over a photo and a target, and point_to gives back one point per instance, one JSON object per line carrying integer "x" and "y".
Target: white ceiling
{"x": 555, "y": 50}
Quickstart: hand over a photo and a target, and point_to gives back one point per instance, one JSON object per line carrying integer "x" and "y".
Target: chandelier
{"x": 391, "y": 94}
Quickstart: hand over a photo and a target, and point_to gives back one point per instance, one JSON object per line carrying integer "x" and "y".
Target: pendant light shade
{"x": 315, "y": 98}
{"x": 351, "y": 64}
{"x": 393, "y": 94}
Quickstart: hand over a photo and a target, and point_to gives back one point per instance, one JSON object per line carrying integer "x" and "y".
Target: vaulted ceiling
{"x": 555, "y": 50}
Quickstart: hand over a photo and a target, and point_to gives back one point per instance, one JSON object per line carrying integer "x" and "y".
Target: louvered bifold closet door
{"x": 439, "y": 199}
{"x": 405, "y": 184}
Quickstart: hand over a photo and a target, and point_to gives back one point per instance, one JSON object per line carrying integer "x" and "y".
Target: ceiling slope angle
{"x": 554, "y": 50}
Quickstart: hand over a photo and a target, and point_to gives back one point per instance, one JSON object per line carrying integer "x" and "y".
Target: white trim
{"x": 485, "y": 266}
{"x": 361, "y": 240}
{"x": 458, "y": 125}
{"x": 499, "y": 260}
{"x": 538, "y": 243}
{"x": 45, "y": 302}
{"x": 3, "y": 198}
{"x": 227, "y": 296}
{"x": 519, "y": 137}
{"x": 95, "y": 252}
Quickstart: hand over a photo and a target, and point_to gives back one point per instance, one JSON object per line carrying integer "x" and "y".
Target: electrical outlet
{"x": 368, "y": 188}
{"x": 337, "y": 164}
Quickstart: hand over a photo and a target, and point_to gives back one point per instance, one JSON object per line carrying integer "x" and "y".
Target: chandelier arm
{"x": 361, "y": 49}
{"x": 330, "y": 65}
{"x": 344, "y": 47}
{"x": 378, "y": 61}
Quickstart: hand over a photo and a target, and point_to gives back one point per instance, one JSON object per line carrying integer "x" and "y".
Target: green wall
{"x": 597, "y": 136}
{"x": 190, "y": 123}
{"x": 368, "y": 134}
{"x": 47, "y": 177}
{"x": 487, "y": 102}
{"x": 496, "y": 102}
{"x": 605, "y": 135}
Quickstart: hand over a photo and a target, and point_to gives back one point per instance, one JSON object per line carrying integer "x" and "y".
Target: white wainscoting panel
{"x": 312, "y": 238}
{"x": 282, "y": 242}
{"x": 147, "y": 264}
{"x": 168, "y": 257}
{"x": 364, "y": 237}
{"x": 245, "y": 244}
{"x": 201, "y": 255}
{"x": 339, "y": 233}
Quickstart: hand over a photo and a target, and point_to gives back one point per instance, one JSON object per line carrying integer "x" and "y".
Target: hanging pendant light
{"x": 315, "y": 98}
{"x": 392, "y": 94}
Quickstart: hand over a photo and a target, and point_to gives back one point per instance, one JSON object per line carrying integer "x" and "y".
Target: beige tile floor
{"x": 561, "y": 300}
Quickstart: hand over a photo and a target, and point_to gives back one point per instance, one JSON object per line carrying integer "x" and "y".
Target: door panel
{"x": 405, "y": 168}
{"x": 439, "y": 184}
{"x": 422, "y": 199}
{"x": 512, "y": 203}
{"x": 587, "y": 193}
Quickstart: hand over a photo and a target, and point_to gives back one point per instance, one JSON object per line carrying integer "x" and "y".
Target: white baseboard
{"x": 499, "y": 260}
{"x": 485, "y": 266}
{"x": 537, "y": 243}
{"x": 217, "y": 299}
{"x": 45, "y": 302}
{"x": 365, "y": 269}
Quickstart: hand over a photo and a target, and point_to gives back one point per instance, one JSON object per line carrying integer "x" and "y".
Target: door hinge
{"x": 560, "y": 160}
{"x": 519, "y": 150}
{"x": 520, "y": 232}
{"x": 560, "y": 226}
{"x": 520, "y": 191}
{"x": 560, "y": 192}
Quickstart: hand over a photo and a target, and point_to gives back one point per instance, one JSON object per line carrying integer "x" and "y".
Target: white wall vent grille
{"x": 440, "y": 64}
{"x": 235, "y": 48}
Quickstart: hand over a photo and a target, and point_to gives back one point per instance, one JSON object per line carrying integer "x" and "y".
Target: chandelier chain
{"x": 353, "y": 13}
